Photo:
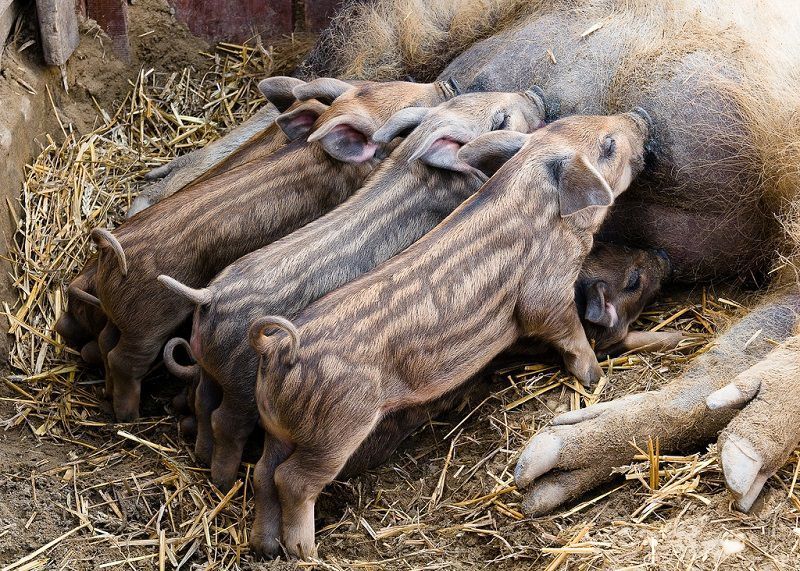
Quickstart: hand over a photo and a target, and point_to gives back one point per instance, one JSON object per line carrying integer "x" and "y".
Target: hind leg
{"x": 231, "y": 423}
{"x": 128, "y": 363}
{"x": 207, "y": 396}
{"x": 301, "y": 478}
{"x": 265, "y": 537}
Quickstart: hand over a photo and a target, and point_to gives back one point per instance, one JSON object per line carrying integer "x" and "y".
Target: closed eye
{"x": 608, "y": 147}
{"x": 634, "y": 281}
{"x": 500, "y": 121}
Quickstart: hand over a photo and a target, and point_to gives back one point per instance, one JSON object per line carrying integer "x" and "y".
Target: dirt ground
{"x": 80, "y": 492}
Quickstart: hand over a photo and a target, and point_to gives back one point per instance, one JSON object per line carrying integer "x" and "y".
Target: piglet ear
{"x": 440, "y": 149}
{"x": 598, "y": 310}
{"x": 326, "y": 89}
{"x": 278, "y": 90}
{"x": 580, "y": 186}
{"x": 490, "y": 151}
{"x": 346, "y": 138}
{"x": 400, "y": 124}
{"x": 297, "y": 122}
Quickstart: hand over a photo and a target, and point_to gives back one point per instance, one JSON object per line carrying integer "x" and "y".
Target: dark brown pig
{"x": 411, "y": 192}
{"x": 501, "y": 267}
{"x": 196, "y": 232}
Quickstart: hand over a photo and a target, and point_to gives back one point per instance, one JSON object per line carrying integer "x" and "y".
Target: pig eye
{"x": 500, "y": 121}
{"x": 608, "y": 147}
{"x": 634, "y": 280}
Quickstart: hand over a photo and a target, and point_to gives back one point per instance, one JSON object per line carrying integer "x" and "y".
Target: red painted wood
{"x": 235, "y": 20}
{"x": 112, "y": 16}
{"x": 319, "y": 13}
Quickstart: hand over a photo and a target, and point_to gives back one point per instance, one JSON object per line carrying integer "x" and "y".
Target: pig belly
{"x": 702, "y": 244}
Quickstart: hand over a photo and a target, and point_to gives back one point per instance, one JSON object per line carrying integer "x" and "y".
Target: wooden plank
{"x": 8, "y": 13}
{"x": 112, "y": 16}
{"x": 58, "y": 23}
{"x": 235, "y": 20}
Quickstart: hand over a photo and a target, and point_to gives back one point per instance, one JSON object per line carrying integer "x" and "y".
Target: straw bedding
{"x": 84, "y": 493}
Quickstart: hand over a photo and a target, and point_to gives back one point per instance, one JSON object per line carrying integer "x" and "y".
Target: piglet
{"x": 502, "y": 266}
{"x": 410, "y": 193}
{"x": 199, "y": 230}
{"x": 83, "y": 321}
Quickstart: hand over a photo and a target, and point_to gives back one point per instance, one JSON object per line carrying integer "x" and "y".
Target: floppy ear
{"x": 298, "y": 122}
{"x": 326, "y": 89}
{"x": 346, "y": 138}
{"x": 400, "y": 124}
{"x": 597, "y": 310}
{"x": 278, "y": 90}
{"x": 580, "y": 186}
{"x": 490, "y": 151}
{"x": 440, "y": 149}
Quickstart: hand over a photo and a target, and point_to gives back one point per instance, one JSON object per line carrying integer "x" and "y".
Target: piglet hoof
{"x": 188, "y": 428}
{"x": 264, "y": 539}
{"x": 90, "y": 353}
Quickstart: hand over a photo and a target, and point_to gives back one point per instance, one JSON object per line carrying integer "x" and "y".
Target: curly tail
{"x": 186, "y": 373}
{"x": 84, "y": 296}
{"x": 104, "y": 238}
{"x": 200, "y": 296}
{"x": 259, "y": 341}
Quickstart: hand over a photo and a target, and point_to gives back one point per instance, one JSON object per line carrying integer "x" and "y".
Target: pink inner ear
{"x": 303, "y": 120}
{"x": 443, "y": 153}
{"x": 354, "y": 146}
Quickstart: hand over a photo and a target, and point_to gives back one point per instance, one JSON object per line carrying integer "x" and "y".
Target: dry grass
{"x": 132, "y": 497}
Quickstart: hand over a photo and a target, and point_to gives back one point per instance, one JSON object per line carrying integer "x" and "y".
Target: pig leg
{"x": 106, "y": 341}
{"x": 580, "y": 450}
{"x": 301, "y": 478}
{"x": 128, "y": 363}
{"x": 569, "y": 338}
{"x": 207, "y": 396}
{"x": 231, "y": 423}
{"x": 649, "y": 341}
{"x": 266, "y": 533}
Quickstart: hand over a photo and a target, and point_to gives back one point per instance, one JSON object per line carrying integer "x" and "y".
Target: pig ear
{"x": 400, "y": 124}
{"x": 298, "y": 122}
{"x": 278, "y": 90}
{"x": 490, "y": 151}
{"x": 598, "y": 311}
{"x": 346, "y": 138}
{"x": 440, "y": 149}
{"x": 580, "y": 186}
{"x": 326, "y": 89}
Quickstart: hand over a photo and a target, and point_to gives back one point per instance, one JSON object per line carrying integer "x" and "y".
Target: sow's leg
{"x": 737, "y": 387}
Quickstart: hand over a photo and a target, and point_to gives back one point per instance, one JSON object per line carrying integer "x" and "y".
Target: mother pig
{"x": 722, "y": 82}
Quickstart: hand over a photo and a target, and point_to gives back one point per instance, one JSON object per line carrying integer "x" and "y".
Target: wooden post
{"x": 112, "y": 16}
{"x": 319, "y": 13}
{"x": 58, "y": 24}
{"x": 8, "y": 13}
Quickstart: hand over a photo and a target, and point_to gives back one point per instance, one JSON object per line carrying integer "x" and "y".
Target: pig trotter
{"x": 580, "y": 449}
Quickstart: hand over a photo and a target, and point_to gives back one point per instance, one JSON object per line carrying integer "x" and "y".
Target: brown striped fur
{"x": 402, "y": 200}
{"x": 502, "y": 266}
{"x": 196, "y": 232}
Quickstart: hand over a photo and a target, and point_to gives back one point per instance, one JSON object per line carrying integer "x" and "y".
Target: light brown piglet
{"x": 501, "y": 267}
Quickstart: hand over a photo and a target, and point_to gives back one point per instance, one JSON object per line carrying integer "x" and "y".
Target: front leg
{"x": 564, "y": 330}
{"x": 582, "y": 447}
